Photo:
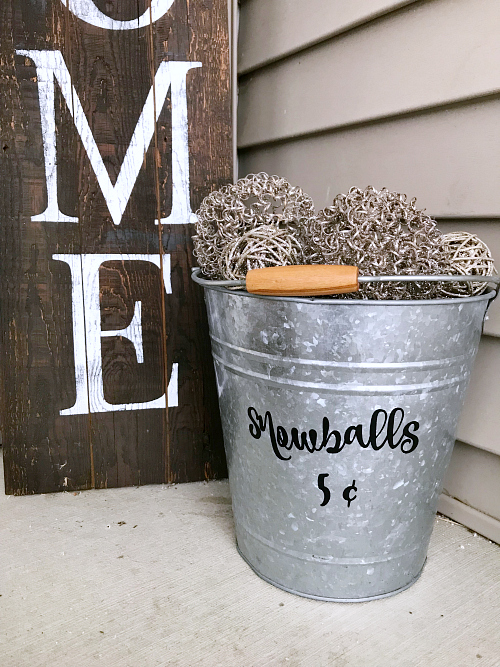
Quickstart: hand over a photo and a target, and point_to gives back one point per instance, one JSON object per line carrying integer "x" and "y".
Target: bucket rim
{"x": 488, "y": 295}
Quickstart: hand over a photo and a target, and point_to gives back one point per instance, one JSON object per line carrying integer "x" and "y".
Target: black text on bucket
{"x": 383, "y": 429}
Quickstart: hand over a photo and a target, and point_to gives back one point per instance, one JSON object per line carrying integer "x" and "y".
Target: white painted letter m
{"x": 50, "y": 67}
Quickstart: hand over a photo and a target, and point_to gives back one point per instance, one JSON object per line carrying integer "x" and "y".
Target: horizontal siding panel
{"x": 272, "y": 29}
{"x": 479, "y": 423}
{"x": 467, "y": 516}
{"x": 489, "y": 232}
{"x": 433, "y": 54}
{"x": 449, "y": 160}
{"x": 474, "y": 478}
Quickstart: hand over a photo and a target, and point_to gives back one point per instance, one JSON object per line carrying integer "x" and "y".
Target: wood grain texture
{"x": 112, "y": 73}
{"x": 304, "y": 280}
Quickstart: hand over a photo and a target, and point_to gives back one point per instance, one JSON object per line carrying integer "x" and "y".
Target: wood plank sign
{"x": 115, "y": 123}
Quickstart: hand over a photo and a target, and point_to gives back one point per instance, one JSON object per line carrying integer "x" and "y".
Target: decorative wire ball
{"x": 468, "y": 256}
{"x": 226, "y": 215}
{"x": 382, "y": 233}
{"x": 266, "y": 245}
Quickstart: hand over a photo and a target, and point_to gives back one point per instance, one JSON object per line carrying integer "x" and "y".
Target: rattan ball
{"x": 382, "y": 233}
{"x": 468, "y": 256}
{"x": 226, "y": 215}
{"x": 266, "y": 245}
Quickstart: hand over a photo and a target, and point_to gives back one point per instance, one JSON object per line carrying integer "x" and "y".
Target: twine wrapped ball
{"x": 468, "y": 256}
{"x": 256, "y": 201}
{"x": 266, "y": 245}
{"x": 382, "y": 233}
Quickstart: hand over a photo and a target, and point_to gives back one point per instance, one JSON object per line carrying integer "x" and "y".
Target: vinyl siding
{"x": 449, "y": 159}
{"x": 295, "y": 24}
{"x": 403, "y": 95}
{"x": 473, "y": 478}
{"x": 479, "y": 422}
{"x": 393, "y": 66}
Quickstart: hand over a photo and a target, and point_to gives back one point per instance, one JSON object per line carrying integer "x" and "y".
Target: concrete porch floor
{"x": 150, "y": 576}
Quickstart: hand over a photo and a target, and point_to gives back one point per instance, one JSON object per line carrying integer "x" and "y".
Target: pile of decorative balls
{"x": 264, "y": 221}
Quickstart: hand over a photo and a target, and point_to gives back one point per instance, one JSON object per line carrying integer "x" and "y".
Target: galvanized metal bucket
{"x": 339, "y": 420}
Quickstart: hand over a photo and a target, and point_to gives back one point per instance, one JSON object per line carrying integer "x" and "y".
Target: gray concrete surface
{"x": 150, "y": 576}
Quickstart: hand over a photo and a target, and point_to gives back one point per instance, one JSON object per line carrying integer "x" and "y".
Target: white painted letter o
{"x": 88, "y": 12}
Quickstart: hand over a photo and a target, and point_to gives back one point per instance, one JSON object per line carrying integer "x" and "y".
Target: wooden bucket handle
{"x": 306, "y": 280}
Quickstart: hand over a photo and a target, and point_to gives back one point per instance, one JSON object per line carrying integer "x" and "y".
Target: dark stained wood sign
{"x": 115, "y": 123}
